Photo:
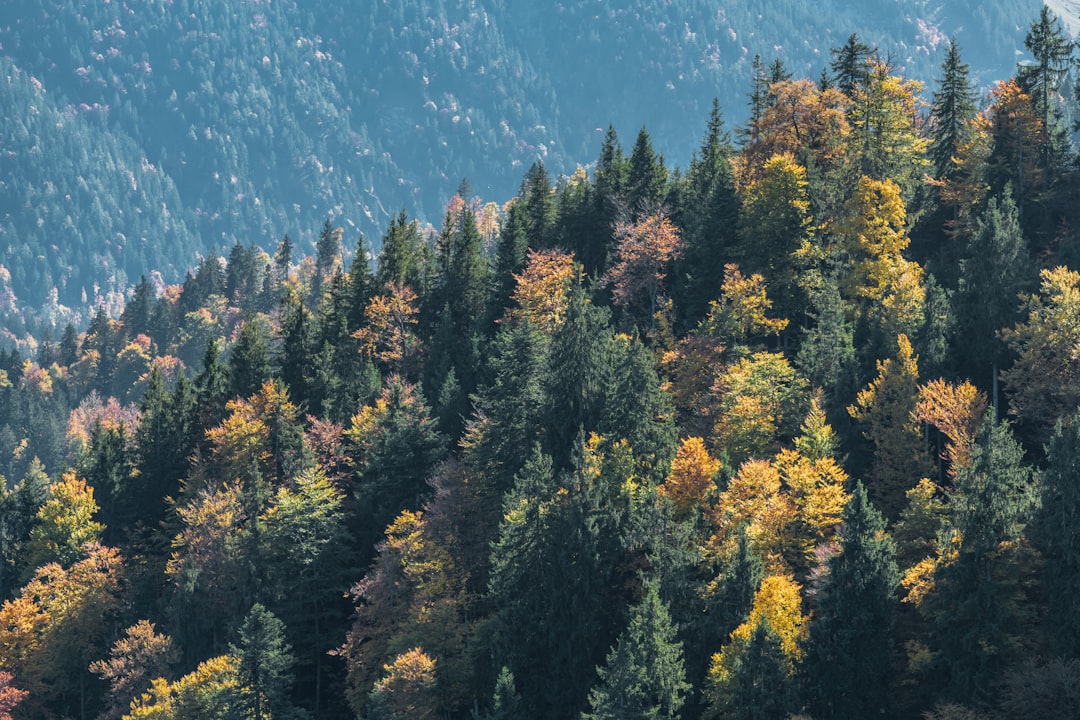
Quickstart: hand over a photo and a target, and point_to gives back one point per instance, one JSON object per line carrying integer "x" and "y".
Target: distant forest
{"x": 791, "y": 432}
{"x": 139, "y": 137}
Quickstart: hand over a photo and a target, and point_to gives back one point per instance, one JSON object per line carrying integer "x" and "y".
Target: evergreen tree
{"x": 18, "y": 515}
{"x": 401, "y": 258}
{"x": 296, "y": 345}
{"x": 362, "y": 284}
{"x": 1050, "y": 46}
{"x": 165, "y": 440}
{"x": 995, "y": 269}
{"x": 539, "y": 208}
{"x": 952, "y": 109}
{"x": 1055, "y": 532}
{"x": 646, "y": 179}
{"x": 849, "y": 666}
{"x": 249, "y": 361}
{"x": 979, "y": 606}
{"x": 760, "y": 686}
{"x": 69, "y": 346}
{"x": 137, "y": 312}
{"x": 327, "y": 258}
{"x": 643, "y": 677}
{"x": 610, "y": 203}
{"x": 709, "y": 215}
{"x": 265, "y": 664}
{"x": 108, "y": 469}
{"x": 850, "y": 64}
{"x": 212, "y": 390}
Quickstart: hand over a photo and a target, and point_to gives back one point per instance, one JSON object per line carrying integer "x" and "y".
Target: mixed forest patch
{"x": 791, "y": 432}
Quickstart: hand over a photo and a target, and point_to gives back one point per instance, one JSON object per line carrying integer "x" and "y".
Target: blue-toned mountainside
{"x": 140, "y": 134}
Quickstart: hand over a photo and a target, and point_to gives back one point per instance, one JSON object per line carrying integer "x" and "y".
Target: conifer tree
{"x": 646, "y": 178}
{"x": 539, "y": 208}
{"x": 249, "y": 361}
{"x": 401, "y": 259}
{"x": 850, "y": 65}
{"x": 708, "y": 215}
{"x": 759, "y": 686}
{"x": 265, "y": 665}
{"x": 1050, "y": 46}
{"x": 994, "y": 270}
{"x": 643, "y": 677}
{"x": 978, "y": 607}
{"x": 849, "y": 665}
{"x": 1056, "y": 536}
{"x": 952, "y": 109}
{"x": 137, "y": 311}
{"x": 296, "y": 345}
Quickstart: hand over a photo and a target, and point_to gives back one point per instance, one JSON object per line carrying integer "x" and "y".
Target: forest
{"x": 791, "y": 432}
{"x": 140, "y": 135}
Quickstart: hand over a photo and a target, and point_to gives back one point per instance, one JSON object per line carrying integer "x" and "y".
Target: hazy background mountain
{"x": 139, "y": 134}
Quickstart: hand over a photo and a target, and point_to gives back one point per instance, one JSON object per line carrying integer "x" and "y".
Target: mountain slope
{"x": 175, "y": 126}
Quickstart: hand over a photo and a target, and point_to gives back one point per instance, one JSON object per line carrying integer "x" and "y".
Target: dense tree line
{"x": 789, "y": 432}
{"x": 139, "y": 138}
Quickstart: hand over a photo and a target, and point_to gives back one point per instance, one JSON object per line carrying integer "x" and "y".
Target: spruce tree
{"x": 646, "y": 182}
{"x": 760, "y": 686}
{"x": 850, "y": 65}
{"x": 849, "y": 666}
{"x": 137, "y": 312}
{"x": 952, "y": 109}
{"x": 994, "y": 270}
{"x": 265, "y": 665}
{"x": 709, "y": 215}
{"x": 978, "y": 607}
{"x": 643, "y": 677}
{"x": 249, "y": 361}
{"x": 1048, "y": 43}
{"x": 1057, "y": 537}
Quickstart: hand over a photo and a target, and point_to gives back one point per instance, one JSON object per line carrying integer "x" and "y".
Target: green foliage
{"x": 849, "y": 665}
{"x": 643, "y": 675}
{"x": 265, "y": 665}
{"x": 981, "y": 614}
{"x": 1056, "y": 539}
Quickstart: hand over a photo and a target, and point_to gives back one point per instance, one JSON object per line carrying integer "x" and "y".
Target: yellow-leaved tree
{"x": 885, "y": 408}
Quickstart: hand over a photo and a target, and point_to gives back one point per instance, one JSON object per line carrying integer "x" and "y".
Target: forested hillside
{"x": 790, "y": 432}
{"x": 146, "y": 135}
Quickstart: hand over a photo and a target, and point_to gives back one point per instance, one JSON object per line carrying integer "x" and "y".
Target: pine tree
{"x": 643, "y": 677}
{"x": 249, "y": 361}
{"x": 849, "y": 666}
{"x": 952, "y": 109}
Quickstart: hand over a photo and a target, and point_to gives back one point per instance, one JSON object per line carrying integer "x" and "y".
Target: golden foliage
{"x": 956, "y": 411}
{"x": 212, "y": 690}
{"x": 387, "y": 334}
{"x": 408, "y": 688}
{"x": 742, "y": 310}
{"x": 542, "y": 287}
{"x": 691, "y": 476}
